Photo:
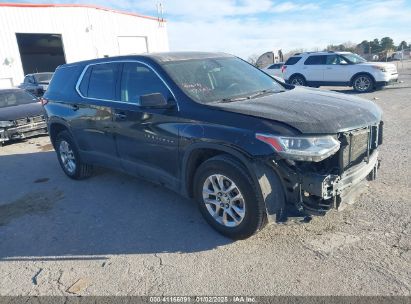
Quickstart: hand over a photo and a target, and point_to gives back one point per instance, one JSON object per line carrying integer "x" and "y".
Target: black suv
{"x": 247, "y": 148}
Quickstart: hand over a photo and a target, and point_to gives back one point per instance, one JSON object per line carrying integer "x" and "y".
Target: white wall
{"x": 86, "y": 33}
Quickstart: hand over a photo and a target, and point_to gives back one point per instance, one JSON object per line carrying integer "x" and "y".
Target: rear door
{"x": 91, "y": 120}
{"x": 313, "y": 68}
{"x": 147, "y": 138}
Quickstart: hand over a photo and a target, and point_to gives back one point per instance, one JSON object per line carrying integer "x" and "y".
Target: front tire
{"x": 228, "y": 199}
{"x": 69, "y": 158}
{"x": 363, "y": 83}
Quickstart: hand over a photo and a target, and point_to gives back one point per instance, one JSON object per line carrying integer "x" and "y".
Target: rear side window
{"x": 137, "y": 79}
{"x": 63, "y": 83}
{"x": 292, "y": 60}
{"x": 102, "y": 81}
{"x": 83, "y": 87}
{"x": 315, "y": 60}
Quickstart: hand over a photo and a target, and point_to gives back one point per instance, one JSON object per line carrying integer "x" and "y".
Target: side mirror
{"x": 154, "y": 100}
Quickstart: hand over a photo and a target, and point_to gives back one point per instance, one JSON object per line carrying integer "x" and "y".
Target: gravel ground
{"x": 117, "y": 235}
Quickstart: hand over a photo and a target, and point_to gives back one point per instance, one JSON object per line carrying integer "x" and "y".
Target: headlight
{"x": 381, "y": 68}
{"x": 304, "y": 148}
{"x": 6, "y": 124}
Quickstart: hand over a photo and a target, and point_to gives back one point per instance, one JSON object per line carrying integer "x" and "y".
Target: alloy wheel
{"x": 362, "y": 83}
{"x": 224, "y": 200}
{"x": 297, "y": 81}
{"x": 67, "y": 156}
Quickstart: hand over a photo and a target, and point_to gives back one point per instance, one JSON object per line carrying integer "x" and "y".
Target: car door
{"x": 146, "y": 138}
{"x": 337, "y": 69}
{"x": 313, "y": 68}
{"x": 91, "y": 117}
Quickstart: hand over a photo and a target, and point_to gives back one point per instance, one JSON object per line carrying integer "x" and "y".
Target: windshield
{"x": 43, "y": 77}
{"x": 220, "y": 79}
{"x": 15, "y": 98}
{"x": 353, "y": 58}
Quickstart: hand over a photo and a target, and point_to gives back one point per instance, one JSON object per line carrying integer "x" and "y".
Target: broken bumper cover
{"x": 319, "y": 193}
{"x": 23, "y": 131}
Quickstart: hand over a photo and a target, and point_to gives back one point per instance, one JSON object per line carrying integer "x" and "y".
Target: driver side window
{"x": 333, "y": 59}
{"x": 138, "y": 79}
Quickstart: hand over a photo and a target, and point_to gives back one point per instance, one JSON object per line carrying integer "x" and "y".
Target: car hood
{"x": 311, "y": 111}
{"x": 20, "y": 111}
{"x": 387, "y": 65}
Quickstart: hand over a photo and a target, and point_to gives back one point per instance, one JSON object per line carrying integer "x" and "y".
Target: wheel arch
{"x": 56, "y": 127}
{"x": 359, "y": 74}
{"x": 297, "y": 74}
{"x": 196, "y": 154}
{"x": 268, "y": 182}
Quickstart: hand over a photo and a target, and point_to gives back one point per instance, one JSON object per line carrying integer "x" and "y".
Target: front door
{"x": 147, "y": 138}
{"x": 337, "y": 69}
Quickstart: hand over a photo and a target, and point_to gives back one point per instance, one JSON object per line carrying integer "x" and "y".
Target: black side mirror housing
{"x": 154, "y": 100}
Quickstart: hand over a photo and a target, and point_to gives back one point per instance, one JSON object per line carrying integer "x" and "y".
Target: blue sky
{"x": 245, "y": 27}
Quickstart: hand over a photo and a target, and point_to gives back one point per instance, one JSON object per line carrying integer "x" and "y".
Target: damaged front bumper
{"x": 306, "y": 193}
{"x": 23, "y": 131}
{"x": 319, "y": 193}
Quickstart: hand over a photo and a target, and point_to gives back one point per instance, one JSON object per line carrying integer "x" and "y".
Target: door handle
{"x": 75, "y": 107}
{"x": 121, "y": 116}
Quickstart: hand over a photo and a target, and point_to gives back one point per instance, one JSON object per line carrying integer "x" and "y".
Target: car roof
{"x": 320, "y": 53}
{"x": 158, "y": 57}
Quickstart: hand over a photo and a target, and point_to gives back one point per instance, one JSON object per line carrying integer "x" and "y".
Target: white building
{"x": 39, "y": 37}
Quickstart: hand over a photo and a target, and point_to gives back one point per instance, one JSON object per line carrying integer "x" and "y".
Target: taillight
{"x": 283, "y": 68}
{"x": 44, "y": 101}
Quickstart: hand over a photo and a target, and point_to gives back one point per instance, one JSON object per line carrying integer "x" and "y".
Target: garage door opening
{"x": 40, "y": 52}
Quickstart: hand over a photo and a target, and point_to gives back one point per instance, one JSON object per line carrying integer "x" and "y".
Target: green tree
{"x": 387, "y": 44}
{"x": 375, "y": 46}
{"x": 364, "y": 47}
{"x": 402, "y": 46}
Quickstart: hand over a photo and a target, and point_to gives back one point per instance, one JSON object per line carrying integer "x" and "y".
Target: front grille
{"x": 357, "y": 145}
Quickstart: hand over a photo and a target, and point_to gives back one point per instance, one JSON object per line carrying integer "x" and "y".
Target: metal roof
{"x": 38, "y": 5}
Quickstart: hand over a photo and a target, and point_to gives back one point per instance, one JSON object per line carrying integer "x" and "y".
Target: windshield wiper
{"x": 264, "y": 92}
{"x": 233, "y": 99}
{"x": 254, "y": 95}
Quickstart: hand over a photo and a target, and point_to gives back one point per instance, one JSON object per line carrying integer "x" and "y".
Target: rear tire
{"x": 228, "y": 199}
{"x": 363, "y": 83}
{"x": 298, "y": 80}
{"x": 69, "y": 158}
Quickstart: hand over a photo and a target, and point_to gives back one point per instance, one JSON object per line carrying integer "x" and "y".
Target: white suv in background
{"x": 338, "y": 69}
